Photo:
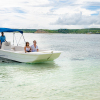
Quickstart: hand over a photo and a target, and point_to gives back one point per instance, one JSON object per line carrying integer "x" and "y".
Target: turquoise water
{"x": 75, "y": 75}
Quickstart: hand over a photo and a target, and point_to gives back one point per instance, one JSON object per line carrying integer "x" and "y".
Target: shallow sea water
{"x": 75, "y": 75}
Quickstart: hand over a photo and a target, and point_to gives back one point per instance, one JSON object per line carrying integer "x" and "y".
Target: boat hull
{"x": 32, "y": 57}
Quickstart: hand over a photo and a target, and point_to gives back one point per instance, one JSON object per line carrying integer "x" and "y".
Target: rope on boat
{"x": 50, "y": 55}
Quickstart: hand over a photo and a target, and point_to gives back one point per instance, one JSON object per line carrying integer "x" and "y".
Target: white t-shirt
{"x": 33, "y": 49}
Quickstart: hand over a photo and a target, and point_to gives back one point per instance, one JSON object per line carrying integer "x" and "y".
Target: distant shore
{"x": 65, "y": 31}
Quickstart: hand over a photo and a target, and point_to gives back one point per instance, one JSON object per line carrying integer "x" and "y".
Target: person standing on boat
{"x": 2, "y": 38}
{"x": 27, "y": 48}
{"x": 34, "y": 47}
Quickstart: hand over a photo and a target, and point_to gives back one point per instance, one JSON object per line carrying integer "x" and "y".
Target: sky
{"x": 50, "y": 14}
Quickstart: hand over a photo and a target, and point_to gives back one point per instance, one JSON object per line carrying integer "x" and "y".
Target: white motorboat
{"x": 17, "y": 53}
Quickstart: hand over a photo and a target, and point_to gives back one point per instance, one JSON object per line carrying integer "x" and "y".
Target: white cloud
{"x": 41, "y": 13}
{"x": 78, "y": 19}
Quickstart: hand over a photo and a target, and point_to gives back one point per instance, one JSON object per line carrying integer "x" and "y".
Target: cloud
{"x": 41, "y": 13}
{"x": 78, "y": 19}
{"x": 12, "y": 10}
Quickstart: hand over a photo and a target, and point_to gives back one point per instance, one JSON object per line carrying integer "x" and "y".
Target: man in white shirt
{"x": 34, "y": 47}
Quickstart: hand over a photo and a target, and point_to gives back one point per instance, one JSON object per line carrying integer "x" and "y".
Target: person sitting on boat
{"x": 2, "y": 38}
{"x": 27, "y": 48}
{"x": 34, "y": 47}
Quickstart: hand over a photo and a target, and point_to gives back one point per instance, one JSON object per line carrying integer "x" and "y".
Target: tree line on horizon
{"x": 74, "y": 31}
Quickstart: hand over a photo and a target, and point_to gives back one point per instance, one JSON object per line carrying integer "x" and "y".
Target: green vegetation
{"x": 81, "y": 31}
{"x": 50, "y": 31}
{"x": 28, "y": 30}
{"x": 73, "y": 31}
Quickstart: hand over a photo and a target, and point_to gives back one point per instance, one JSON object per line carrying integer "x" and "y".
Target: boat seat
{"x": 6, "y": 46}
{"x": 18, "y": 48}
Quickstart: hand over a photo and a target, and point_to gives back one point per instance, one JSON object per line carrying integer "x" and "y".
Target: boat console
{"x": 6, "y": 46}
